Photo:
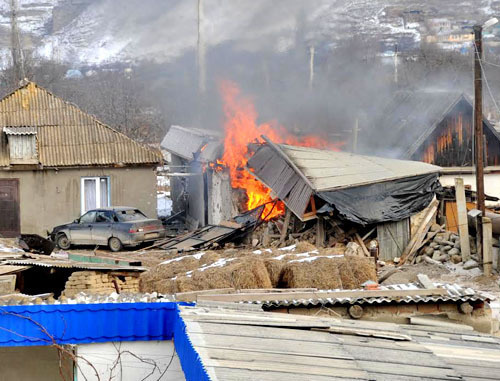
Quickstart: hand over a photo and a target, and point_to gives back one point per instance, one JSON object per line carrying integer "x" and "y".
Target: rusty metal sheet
{"x": 67, "y": 136}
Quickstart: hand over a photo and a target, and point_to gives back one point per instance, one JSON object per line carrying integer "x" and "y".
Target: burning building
{"x": 209, "y": 179}
{"x": 436, "y": 127}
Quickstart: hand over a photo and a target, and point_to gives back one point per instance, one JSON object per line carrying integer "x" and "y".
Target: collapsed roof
{"x": 362, "y": 189}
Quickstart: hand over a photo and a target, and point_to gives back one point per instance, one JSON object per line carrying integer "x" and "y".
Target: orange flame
{"x": 241, "y": 128}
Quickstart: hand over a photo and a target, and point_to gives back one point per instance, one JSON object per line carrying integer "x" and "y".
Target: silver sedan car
{"x": 115, "y": 227}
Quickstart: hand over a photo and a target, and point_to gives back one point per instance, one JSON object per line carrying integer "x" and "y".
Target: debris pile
{"x": 444, "y": 247}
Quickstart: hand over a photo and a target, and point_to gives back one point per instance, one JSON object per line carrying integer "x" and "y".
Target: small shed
{"x": 202, "y": 190}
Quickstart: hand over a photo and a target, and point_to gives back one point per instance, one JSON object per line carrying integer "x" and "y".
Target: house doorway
{"x": 10, "y": 221}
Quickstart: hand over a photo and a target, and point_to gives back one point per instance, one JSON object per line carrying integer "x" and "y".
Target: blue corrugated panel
{"x": 86, "y": 323}
{"x": 190, "y": 360}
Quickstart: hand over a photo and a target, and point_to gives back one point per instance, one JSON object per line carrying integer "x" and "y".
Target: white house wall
{"x": 491, "y": 183}
{"x": 129, "y": 361}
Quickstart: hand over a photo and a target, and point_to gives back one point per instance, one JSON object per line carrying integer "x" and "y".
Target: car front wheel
{"x": 63, "y": 242}
{"x": 115, "y": 244}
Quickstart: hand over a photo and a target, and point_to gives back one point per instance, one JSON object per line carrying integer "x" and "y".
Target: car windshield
{"x": 130, "y": 215}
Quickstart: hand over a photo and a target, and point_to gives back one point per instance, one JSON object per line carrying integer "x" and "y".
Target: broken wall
{"x": 220, "y": 198}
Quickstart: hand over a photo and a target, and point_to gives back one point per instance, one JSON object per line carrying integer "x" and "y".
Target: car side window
{"x": 88, "y": 218}
{"x": 104, "y": 217}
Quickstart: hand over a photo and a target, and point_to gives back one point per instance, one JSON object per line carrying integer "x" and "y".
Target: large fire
{"x": 241, "y": 128}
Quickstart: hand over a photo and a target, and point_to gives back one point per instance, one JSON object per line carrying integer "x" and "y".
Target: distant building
{"x": 57, "y": 162}
{"x": 436, "y": 127}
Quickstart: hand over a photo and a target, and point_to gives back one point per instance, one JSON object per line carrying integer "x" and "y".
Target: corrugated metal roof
{"x": 455, "y": 293}
{"x": 86, "y": 323}
{"x": 67, "y": 136}
{"x": 71, "y": 264}
{"x": 330, "y": 170}
{"x": 187, "y": 142}
{"x": 245, "y": 345}
{"x": 20, "y": 130}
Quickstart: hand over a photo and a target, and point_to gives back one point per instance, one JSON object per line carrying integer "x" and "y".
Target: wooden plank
{"x": 487, "y": 246}
{"x": 263, "y": 332}
{"x": 262, "y": 345}
{"x": 409, "y": 370}
{"x": 439, "y": 322}
{"x": 323, "y": 295}
{"x": 231, "y": 374}
{"x": 320, "y": 232}
{"x": 284, "y": 230}
{"x": 397, "y": 356}
{"x": 476, "y": 371}
{"x": 236, "y": 355}
{"x": 367, "y": 332}
{"x": 421, "y": 231}
{"x": 450, "y": 351}
{"x": 493, "y": 366}
{"x": 463, "y": 225}
{"x": 362, "y": 244}
{"x": 297, "y": 369}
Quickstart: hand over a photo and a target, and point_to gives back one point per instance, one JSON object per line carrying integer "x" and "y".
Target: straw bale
{"x": 328, "y": 273}
{"x": 274, "y": 269}
{"x": 304, "y": 246}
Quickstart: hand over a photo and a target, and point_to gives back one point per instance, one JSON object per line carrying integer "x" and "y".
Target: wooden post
{"x": 487, "y": 246}
{"x": 320, "y": 232}
{"x": 463, "y": 226}
{"x": 284, "y": 230}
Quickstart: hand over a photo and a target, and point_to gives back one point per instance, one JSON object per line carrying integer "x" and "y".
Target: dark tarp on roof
{"x": 382, "y": 202}
{"x": 362, "y": 189}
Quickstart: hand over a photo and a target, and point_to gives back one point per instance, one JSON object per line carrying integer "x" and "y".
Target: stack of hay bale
{"x": 95, "y": 282}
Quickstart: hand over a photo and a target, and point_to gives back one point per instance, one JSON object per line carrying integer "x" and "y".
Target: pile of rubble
{"x": 445, "y": 247}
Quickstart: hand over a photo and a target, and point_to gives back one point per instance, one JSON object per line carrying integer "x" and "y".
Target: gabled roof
{"x": 66, "y": 136}
{"x": 408, "y": 120}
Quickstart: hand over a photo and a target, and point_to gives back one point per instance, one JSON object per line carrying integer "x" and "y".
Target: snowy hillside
{"x": 97, "y": 31}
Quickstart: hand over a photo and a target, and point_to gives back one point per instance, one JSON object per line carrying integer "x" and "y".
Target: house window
{"x": 95, "y": 193}
{"x": 22, "y": 144}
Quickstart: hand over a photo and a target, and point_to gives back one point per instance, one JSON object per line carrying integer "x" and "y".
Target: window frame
{"x": 97, "y": 179}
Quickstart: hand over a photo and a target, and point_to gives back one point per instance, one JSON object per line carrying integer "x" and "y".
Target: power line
{"x": 486, "y": 79}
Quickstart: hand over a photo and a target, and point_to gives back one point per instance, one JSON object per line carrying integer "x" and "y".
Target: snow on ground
{"x": 164, "y": 204}
{"x": 9, "y": 249}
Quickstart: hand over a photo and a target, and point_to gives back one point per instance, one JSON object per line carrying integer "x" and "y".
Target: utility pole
{"x": 201, "y": 51}
{"x": 15, "y": 42}
{"x": 478, "y": 117}
{"x": 311, "y": 66}
{"x": 396, "y": 64}
{"x": 355, "y": 130}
